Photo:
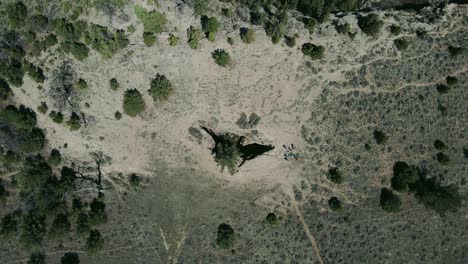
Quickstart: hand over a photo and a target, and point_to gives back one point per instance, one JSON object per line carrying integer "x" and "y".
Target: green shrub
{"x": 50, "y": 40}
{"x": 271, "y": 219}
{"x": 275, "y": 28}
{"x": 200, "y": 7}
{"x": 226, "y": 152}
{"x": 38, "y": 22}
{"x": 81, "y": 84}
{"x": 153, "y": 22}
{"x": 370, "y": 24}
{"x": 97, "y": 214}
{"x": 31, "y": 141}
{"x": 401, "y": 44}
{"x": 335, "y": 175}
{"x": 455, "y": 51}
{"x": 134, "y": 180}
{"x": 67, "y": 31}
{"x": 74, "y": 123}
{"x": 114, "y": 84}
{"x": 335, "y": 204}
{"x": 451, "y": 80}
{"x": 313, "y": 51}
{"x": 57, "y": 117}
{"x": 149, "y": 39}
{"x": 161, "y": 88}
{"x": 34, "y": 174}
{"x": 380, "y": 137}
{"x": 9, "y": 225}
{"x": 442, "y": 88}
{"x": 17, "y": 13}
{"x": 55, "y": 158}
{"x": 173, "y": 40}
{"x": 33, "y": 230}
{"x": 77, "y": 49}
{"x": 34, "y": 72}
{"x": 439, "y": 145}
{"x": 82, "y": 224}
{"x": 404, "y": 176}
{"x": 12, "y": 71}
{"x": 309, "y": 24}
{"x": 5, "y": 90}
{"x": 3, "y": 192}
{"x": 118, "y": 115}
{"x": 43, "y": 108}
{"x": 247, "y": 35}
{"x": 60, "y": 226}
{"x": 210, "y": 27}
{"x": 230, "y": 41}
{"x": 395, "y": 29}
{"x": 221, "y": 57}
{"x": 133, "y": 102}
{"x": 225, "y": 236}
{"x": 389, "y": 201}
{"x": 290, "y": 41}
{"x": 105, "y": 42}
{"x": 70, "y": 258}
{"x": 21, "y": 118}
{"x": 37, "y": 258}
{"x": 443, "y": 158}
{"x": 94, "y": 243}
{"x": 193, "y": 36}
{"x": 343, "y": 28}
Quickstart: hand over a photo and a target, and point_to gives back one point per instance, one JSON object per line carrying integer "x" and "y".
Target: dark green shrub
{"x": 81, "y": 84}
{"x": 439, "y": 145}
{"x": 193, "y": 36}
{"x": 77, "y": 49}
{"x": 94, "y": 242}
{"x": 67, "y": 31}
{"x": 313, "y": 51}
{"x": 309, "y": 24}
{"x": 134, "y": 180}
{"x": 389, "y": 201}
{"x": 455, "y": 51}
{"x": 370, "y": 24}
{"x": 335, "y": 204}
{"x": 210, "y": 27}
{"x": 31, "y": 141}
{"x": 271, "y": 219}
{"x": 401, "y": 44}
{"x": 173, "y": 40}
{"x": 443, "y": 158}
{"x": 74, "y": 123}
{"x": 60, "y": 226}
{"x": 17, "y": 14}
{"x": 290, "y": 41}
{"x": 275, "y": 27}
{"x": 33, "y": 230}
{"x": 38, "y": 22}
{"x": 161, "y": 88}
{"x": 5, "y": 90}
{"x": 442, "y": 88}
{"x": 221, "y": 57}
{"x": 404, "y": 176}
{"x": 247, "y": 35}
{"x": 105, "y": 42}
{"x": 97, "y": 214}
{"x": 343, "y": 28}
{"x": 70, "y": 258}
{"x": 57, "y": 117}
{"x": 227, "y": 153}
{"x": 34, "y": 72}
{"x": 118, "y": 115}
{"x": 335, "y": 175}
{"x": 133, "y": 102}
{"x": 3, "y": 191}
{"x": 153, "y": 22}
{"x": 380, "y": 137}
{"x": 37, "y": 258}
{"x": 114, "y": 84}
{"x": 82, "y": 224}
{"x": 395, "y": 29}
{"x": 200, "y": 7}
{"x": 451, "y": 80}
{"x": 43, "y": 108}
{"x": 12, "y": 71}
{"x": 230, "y": 41}
{"x": 55, "y": 158}
{"x": 433, "y": 195}
{"x": 50, "y": 40}
{"x": 149, "y": 39}
{"x": 9, "y": 225}
{"x": 21, "y": 118}
{"x": 225, "y": 236}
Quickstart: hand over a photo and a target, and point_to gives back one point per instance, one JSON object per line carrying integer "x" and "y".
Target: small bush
{"x": 153, "y": 22}
{"x": 33, "y": 230}
{"x": 335, "y": 175}
{"x": 210, "y": 27}
{"x": 105, "y": 42}
{"x": 173, "y": 40}
{"x": 200, "y": 7}
{"x": 43, "y": 108}
{"x": 34, "y": 72}
{"x": 81, "y": 84}
{"x": 335, "y": 204}
{"x": 21, "y": 118}
{"x": 77, "y": 49}
{"x": 455, "y": 51}
{"x": 70, "y": 258}
{"x": 133, "y": 102}
{"x": 389, "y": 201}
{"x": 395, "y": 29}
{"x": 97, "y": 214}
{"x": 82, "y": 223}
{"x": 74, "y": 123}
{"x": 13, "y": 72}
{"x": 5, "y": 90}
{"x": 271, "y": 219}
{"x": 55, "y": 158}
{"x": 309, "y": 24}
{"x": 275, "y": 27}
{"x": 404, "y": 176}
{"x": 36, "y": 258}
{"x": 401, "y": 44}
{"x": 31, "y": 141}
{"x": 161, "y": 88}
{"x": 221, "y": 57}
{"x": 313, "y": 51}
{"x": 114, "y": 84}
{"x": 225, "y": 236}
{"x": 134, "y": 180}
{"x": 149, "y": 39}
{"x": 67, "y": 31}
{"x": 290, "y": 41}
{"x": 60, "y": 226}
{"x": 370, "y": 24}
{"x": 57, "y": 117}
{"x": 451, "y": 80}
{"x": 380, "y": 137}
{"x": 343, "y": 28}
{"x": 94, "y": 242}
{"x": 442, "y": 88}
{"x": 443, "y": 158}
{"x": 247, "y": 35}
{"x": 230, "y": 41}
{"x": 118, "y": 115}
{"x": 193, "y": 36}
{"x": 439, "y": 145}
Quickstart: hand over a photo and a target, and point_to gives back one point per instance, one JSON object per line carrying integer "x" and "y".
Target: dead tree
{"x": 94, "y": 175}
{"x": 61, "y": 88}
